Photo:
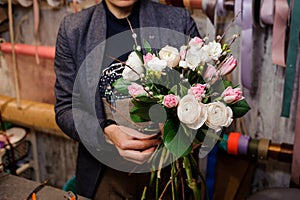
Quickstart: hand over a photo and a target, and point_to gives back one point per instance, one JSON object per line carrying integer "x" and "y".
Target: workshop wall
{"x": 57, "y": 155}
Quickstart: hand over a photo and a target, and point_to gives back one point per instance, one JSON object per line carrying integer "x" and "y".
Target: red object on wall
{"x": 47, "y": 52}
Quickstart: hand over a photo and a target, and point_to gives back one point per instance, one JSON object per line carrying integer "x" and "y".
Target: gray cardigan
{"x": 79, "y": 53}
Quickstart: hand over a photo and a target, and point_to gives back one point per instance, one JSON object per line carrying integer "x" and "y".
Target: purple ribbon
{"x": 221, "y": 10}
{"x": 245, "y": 21}
{"x": 243, "y": 144}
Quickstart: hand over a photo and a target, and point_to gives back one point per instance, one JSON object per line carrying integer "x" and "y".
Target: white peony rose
{"x": 218, "y": 115}
{"x": 191, "y": 112}
{"x": 156, "y": 64}
{"x": 213, "y": 50}
{"x": 171, "y": 55}
{"x": 192, "y": 59}
{"x": 183, "y": 64}
{"x": 136, "y": 64}
{"x": 203, "y": 56}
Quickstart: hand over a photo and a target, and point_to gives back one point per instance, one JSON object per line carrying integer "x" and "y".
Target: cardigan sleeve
{"x": 72, "y": 113}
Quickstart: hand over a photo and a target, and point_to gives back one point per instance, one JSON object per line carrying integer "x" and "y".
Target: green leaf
{"x": 227, "y": 83}
{"x": 177, "y": 140}
{"x": 121, "y": 85}
{"x": 140, "y": 55}
{"x": 240, "y": 108}
{"x": 140, "y": 114}
{"x": 146, "y": 99}
{"x": 183, "y": 90}
{"x": 147, "y": 47}
{"x": 174, "y": 90}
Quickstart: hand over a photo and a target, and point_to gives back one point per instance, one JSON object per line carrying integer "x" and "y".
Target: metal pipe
{"x": 47, "y": 52}
{"x": 36, "y": 115}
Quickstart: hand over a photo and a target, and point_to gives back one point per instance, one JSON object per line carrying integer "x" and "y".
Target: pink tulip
{"x": 231, "y": 95}
{"x": 228, "y": 66}
{"x": 211, "y": 74}
{"x": 148, "y": 57}
{"x": 135, "y": 89}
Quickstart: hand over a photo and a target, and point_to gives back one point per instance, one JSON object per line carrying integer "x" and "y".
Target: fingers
{"x": 135, "y": 144}
{"x": 138, "y": 157}
{"x": 131, "y": 144}
{"x": 125, "y": 139}
{"x": 137, "y": 134}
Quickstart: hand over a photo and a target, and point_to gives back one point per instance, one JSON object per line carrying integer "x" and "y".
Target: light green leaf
{"x": 121, "y": 85}
{"x": 183, "y": 90}
{"x": 147, "y": 47}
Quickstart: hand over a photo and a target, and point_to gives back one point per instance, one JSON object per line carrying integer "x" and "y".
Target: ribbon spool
{"x": 233, "y": 143}
{"x": 253, "y": 147}
{"x": 244, "y": 9}
{"x": 262, "y": 150}
{"x": 274, "y": 150}
{"x": 286, "y": 153}
{"x": 243, "y": 144}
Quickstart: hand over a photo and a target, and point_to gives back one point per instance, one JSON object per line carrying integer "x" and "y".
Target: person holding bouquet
{"x": 80, "y": 86}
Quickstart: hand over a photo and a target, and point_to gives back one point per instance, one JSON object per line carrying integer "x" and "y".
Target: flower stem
{"x": 192, "y": 183}
{"x": 144, "y": 193}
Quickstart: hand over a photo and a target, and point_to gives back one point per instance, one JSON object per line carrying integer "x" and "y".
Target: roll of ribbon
{"x": 245, "y": 21}
{"x": 263, "y": 147}
{"x": 279, "y": 32}
{"x": 233, "y": 143}
{"x": 266, "y": 12}
{"x": 243, "y": 144}
{"x": 286, "y": 153}
{"x": 274, "y": 150}
{"x": 223, "y": 143}
{"x": 252, "y": 147}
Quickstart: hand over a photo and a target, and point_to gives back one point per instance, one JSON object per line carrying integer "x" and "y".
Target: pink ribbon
{"x": 267, "y": 12}
{"x": 279, "y": 32}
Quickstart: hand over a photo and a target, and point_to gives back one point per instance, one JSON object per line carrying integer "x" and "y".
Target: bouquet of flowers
{"x": 184, "y": 91}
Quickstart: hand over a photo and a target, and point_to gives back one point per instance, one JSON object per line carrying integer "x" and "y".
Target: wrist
{"x": 107, "y": 122}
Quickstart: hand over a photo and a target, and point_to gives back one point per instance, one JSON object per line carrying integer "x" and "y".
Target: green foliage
{"x": 141, "y": 107}
{"x": 176, "y": 138}
{"x": 121, "y": 85}
{"x": 240, "y": 108}
{"x": 147, "y": 47}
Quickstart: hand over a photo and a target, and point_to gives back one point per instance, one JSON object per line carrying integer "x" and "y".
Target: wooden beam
{"x": 36, "y": 115}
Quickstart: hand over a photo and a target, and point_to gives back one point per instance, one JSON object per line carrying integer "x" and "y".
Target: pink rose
{"x": 148, "y": 57}
{"x": 228, "y": 66}
{"x": 198, "y": 90}
{"x": 195, "y": 41}
{"x": 231, "y": 95}
{"x": 171, "y": 100}
{"x": 135, "y": 89}
{"x": 211, "y": 74}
